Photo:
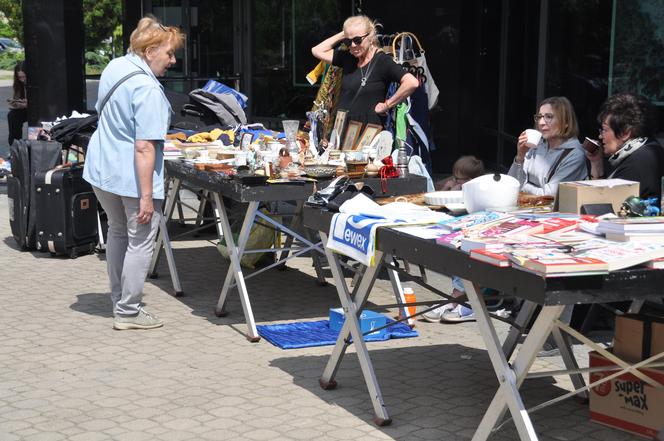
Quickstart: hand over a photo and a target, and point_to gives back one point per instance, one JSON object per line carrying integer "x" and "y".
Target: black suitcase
{"x": 28, "y": 157}
{"x": 66, "y": 212}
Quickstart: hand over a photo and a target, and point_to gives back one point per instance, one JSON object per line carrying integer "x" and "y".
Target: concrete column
{"x": 54, "y": 55}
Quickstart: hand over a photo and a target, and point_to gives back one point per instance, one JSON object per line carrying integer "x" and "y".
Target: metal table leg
{"x": 397, "y": 289}
{"x": 164, "y": 241}
{"x": 510, "y": 377}
{"x": 235, "y": 269}
{"x": 522, "y": 319}
{"x": 352, "y": 309}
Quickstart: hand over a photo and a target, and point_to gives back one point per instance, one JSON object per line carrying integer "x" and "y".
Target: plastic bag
{"x": 260, "y": 237}
{"x": 217, "y": 87}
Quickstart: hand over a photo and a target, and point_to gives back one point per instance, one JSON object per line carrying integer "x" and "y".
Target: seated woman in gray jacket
{"x": 558, "y": 157}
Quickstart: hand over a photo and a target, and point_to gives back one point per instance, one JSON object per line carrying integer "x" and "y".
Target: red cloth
{"x": 387, "y": 171}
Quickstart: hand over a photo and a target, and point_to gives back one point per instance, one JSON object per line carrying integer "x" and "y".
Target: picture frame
{"x": 339, "y": 125}
{"x": 352, "y": 135}
{"x": 368, "y": 135}
{"x": 245, "y": 141}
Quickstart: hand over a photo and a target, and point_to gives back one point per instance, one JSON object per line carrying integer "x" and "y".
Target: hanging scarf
{"x": 626, "y": 150}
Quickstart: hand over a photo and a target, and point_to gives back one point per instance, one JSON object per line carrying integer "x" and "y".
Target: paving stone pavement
{"x": 65, "y": 374}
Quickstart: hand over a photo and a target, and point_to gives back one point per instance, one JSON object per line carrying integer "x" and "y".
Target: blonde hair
{"x": 150, "y": 33}
{"x": 369, "y": 25}
{"x": 568, "y": 127}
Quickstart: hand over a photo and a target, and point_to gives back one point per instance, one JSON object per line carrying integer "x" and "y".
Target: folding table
{"x": 221, "y": 187}
{"x": 552, "y": 294}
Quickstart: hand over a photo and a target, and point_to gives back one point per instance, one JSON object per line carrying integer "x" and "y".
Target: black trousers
{"x": 15, "y": 120}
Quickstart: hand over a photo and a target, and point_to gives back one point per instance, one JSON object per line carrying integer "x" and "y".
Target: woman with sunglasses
{"x": 367, "y": 72}
{"x": 558, "y": 157}
{"x": 628, "y": 124}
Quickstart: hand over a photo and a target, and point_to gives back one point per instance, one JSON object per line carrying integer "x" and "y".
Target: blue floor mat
{"x": 307, "y": 334}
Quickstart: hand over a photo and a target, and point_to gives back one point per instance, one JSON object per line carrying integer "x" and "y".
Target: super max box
{"x": 627, "y": 402}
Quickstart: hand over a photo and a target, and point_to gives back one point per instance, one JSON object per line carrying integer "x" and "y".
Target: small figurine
{"x": 635, "y": 207}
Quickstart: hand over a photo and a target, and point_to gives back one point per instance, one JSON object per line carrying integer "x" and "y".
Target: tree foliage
{"x": 12, "y": 11}
{"x": 100, "y": 18}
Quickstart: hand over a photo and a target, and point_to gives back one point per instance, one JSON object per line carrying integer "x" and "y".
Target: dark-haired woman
{"x": 627, "y": 136}
{"x": 18, "y": 105}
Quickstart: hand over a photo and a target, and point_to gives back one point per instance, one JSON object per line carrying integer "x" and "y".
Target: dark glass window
{"x": 578, "y": 56}
{"x": 284, "y": 31}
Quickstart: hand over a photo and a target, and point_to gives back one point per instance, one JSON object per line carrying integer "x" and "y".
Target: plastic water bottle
{"x": 409, "y": 297}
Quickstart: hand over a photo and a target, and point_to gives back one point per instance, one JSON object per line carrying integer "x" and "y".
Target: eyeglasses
{"x": 548, "y": 117}
{"x": 356, "y": 40}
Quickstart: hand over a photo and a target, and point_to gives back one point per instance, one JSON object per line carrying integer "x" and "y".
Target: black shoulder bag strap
{"x": 553, "y": 169}
{"x": 122, "y": 80}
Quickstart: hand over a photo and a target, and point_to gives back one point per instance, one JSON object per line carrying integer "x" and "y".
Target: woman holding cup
{"x": 550, "y": 153}
{"x": 628, "y": 124}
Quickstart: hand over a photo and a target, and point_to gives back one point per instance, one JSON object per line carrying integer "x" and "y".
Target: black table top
{"x": 280, "y": 192}
{"x": 629, "y": 284}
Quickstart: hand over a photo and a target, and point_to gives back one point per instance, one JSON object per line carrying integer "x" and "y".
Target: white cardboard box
{"x": 572, "y": 195}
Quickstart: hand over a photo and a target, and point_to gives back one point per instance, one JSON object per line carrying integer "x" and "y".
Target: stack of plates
{"x": 443, "y": 197}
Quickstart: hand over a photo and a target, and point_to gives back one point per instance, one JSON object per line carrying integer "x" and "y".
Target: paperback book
{"x": 470, "y": 220}
{"x": 621, "y": 255}
{"x": 488, "y": 256}
{"x": 566, "y": 264}
{"x": 623, "y": 225}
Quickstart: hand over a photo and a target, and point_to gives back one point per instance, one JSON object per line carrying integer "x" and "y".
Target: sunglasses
{"x": 548, "y": 117}
{"x": 355, "y": 40}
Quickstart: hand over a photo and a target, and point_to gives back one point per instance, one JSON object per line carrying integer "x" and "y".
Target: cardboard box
{"x": 626, "y": 402}
{"x": 369, "y": 320}
{"x": 638, "y": 336}
{"x": 572, "y": 195}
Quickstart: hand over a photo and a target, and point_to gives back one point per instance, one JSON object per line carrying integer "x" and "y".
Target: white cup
{"x": 534, "y": 137}
{"x": 203, "y": 155}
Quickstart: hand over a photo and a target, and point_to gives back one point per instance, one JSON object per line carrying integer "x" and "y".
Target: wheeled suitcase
{"x": 28, "y": 157}
{"x": 66, "y": 212}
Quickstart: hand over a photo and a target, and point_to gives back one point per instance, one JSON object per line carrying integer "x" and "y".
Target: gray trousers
{"x": 129, "y": 248}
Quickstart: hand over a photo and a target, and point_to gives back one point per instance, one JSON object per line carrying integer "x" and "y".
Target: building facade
{"x": 493, "y": 60}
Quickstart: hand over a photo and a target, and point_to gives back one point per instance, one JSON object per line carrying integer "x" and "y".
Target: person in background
{"x": 367, "y": 72}
{"x": 125, "y": 163}
{"x": 627, "y": 127}
{"x": 465, "y": 168}
{"x": 18, "y": 104}
{"x": 558, "y": 157}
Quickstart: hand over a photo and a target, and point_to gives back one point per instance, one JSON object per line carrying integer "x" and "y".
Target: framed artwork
{"x": 338, "y": 128}
{"x": 352, "y": 134}
{"x": 368, "y": 135}
{"x": 245, "y": 141}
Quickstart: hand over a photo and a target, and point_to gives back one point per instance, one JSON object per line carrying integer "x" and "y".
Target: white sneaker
{"x": 435, "y": 315}
{"x": 143, "y": 320}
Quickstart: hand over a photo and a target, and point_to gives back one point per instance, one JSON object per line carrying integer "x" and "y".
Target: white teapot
{"x": 492, "y": 192}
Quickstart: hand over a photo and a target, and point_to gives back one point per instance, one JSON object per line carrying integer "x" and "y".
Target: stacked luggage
{"x": 51, "y": 207}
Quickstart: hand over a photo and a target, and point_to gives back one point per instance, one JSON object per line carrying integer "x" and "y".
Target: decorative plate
{"x": 320, "y": 171}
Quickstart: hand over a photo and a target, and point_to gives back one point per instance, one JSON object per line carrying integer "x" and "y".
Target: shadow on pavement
{"x": 97, "y": 303}
{"x": 274, "y": 295}
{"x": 426, "y": 385}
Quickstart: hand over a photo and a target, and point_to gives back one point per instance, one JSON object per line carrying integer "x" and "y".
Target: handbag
{"x": 414, "y": 60}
